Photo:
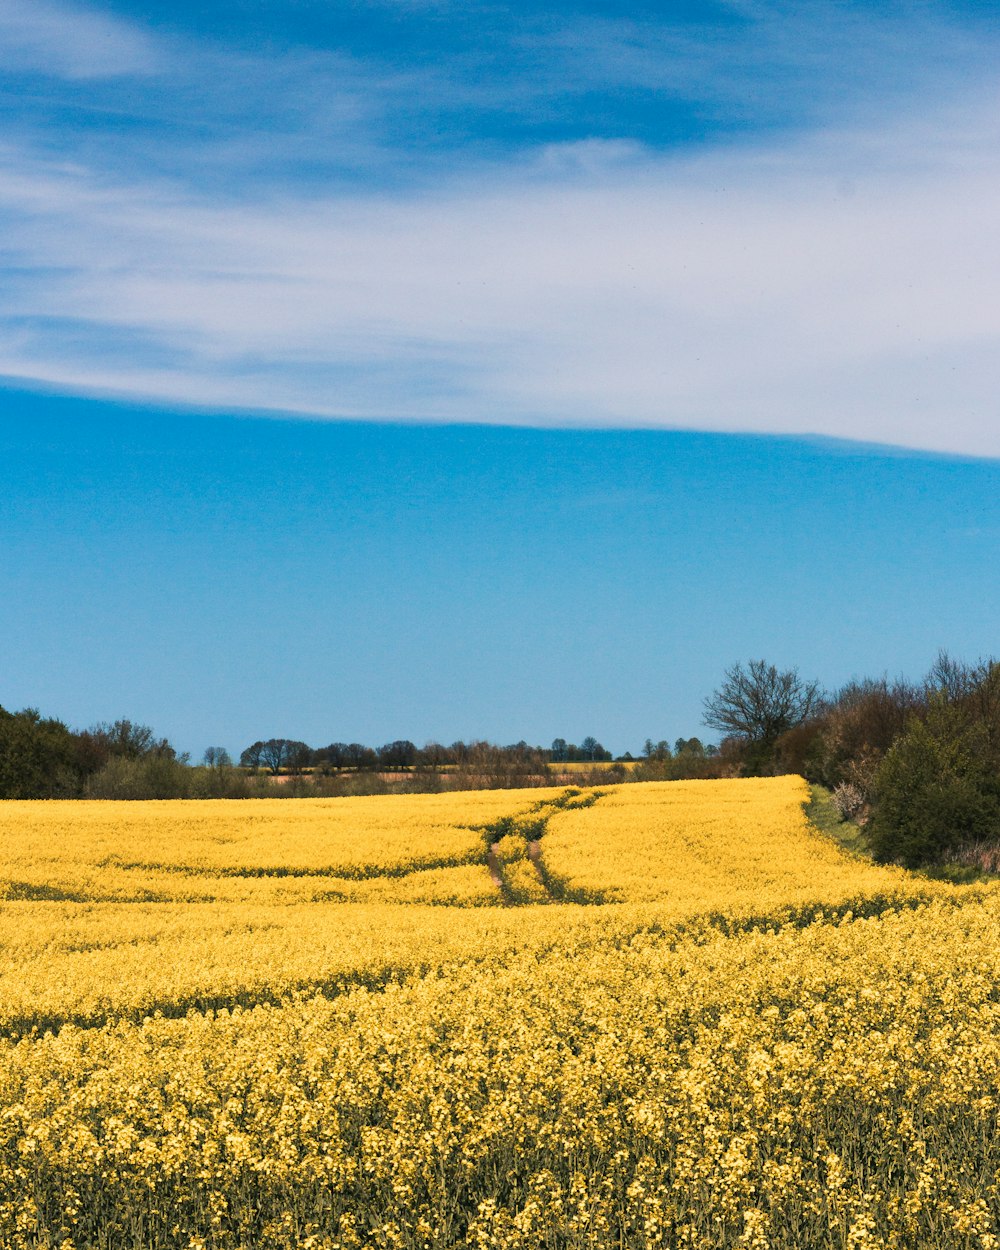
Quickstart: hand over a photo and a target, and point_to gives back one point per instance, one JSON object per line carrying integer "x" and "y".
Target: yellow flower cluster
{"x": 701, "y": 846}
{"x": 828, "y": 1086}
{"x": 90, "y": 963}
{"x": 347, "y": 1023}
{"x": 262, "y": 850}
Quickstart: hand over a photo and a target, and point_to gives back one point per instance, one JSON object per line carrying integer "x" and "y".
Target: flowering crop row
{"x": 832, "y": 1086}
{"x": 700, "y": 846}
{"x": 228, "y": 1025}
{"x": 225, "y": 939}
{"x": 353, "y": 838}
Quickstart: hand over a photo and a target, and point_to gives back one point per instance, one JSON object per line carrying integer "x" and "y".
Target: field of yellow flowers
{"x": 653, "y": 1015}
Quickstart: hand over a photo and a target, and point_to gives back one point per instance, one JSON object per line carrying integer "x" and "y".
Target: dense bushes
{"x": 690, "y": 759}
{"x": 916, "y": 763}
{"x": 936, "y": 791}
{"x": 849, "y": 740}
{"x": 919, "y": 764}
{"x": 39, "y": 758}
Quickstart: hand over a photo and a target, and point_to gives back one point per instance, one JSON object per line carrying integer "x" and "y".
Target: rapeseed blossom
{"x": 683, "y": 1018}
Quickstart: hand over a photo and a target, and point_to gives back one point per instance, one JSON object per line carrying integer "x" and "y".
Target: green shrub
{"x": 935, "y": 791}
{"x": 151, "y": 777}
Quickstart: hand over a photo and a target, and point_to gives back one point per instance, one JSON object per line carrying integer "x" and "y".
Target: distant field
{"x": 257, "y": 850}
{"x": 564, "y": 769}
{"x": 643, "y": 1015}
{"x": 588, "y": 766}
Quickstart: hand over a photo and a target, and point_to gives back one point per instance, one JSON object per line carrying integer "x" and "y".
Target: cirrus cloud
{"x": 836, "y": 281}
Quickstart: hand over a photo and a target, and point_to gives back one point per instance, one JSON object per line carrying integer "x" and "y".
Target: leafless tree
{"x": 758, "y": 703}
{"x": 217, "y": 757}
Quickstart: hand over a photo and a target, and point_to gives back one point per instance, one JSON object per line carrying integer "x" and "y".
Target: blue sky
{"x": 516, "y": 327}
{"x": 230, "y": 577}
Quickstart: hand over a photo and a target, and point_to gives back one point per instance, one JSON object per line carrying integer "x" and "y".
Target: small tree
{"x": 332, "y": 756}
{"x": 693, "y": 747}
{"x": 253, "y": 756}
{"x": 397, "y": 755}
{"x": 757, "y": 704}
{"x": 217, "y": 757}
{"x": 359, "y": 757}
{"x": 278, "y": 753}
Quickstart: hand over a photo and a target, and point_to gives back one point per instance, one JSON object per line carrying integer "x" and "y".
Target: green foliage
{"x": 38, "y": 757}
{"x": 153, "y": 776}
{"x": 936, "y": 789}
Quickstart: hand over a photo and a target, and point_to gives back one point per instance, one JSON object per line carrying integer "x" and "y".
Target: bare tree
{"x": 399, "y": 754}
{"x": 278, "y": 753}
{"x": 126, "y": 739}
{"x": 217, "y": 757}
{"x": 757, "y": 703}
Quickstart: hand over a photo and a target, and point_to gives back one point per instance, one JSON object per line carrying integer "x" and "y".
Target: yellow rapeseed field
{"x": 650, "y": 1015}
{"x": 54, "y": 843}
{"x": 703, "y": 846}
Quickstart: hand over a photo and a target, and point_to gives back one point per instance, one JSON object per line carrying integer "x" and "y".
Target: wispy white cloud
{"x": 795, "y": 290}
{"x": 64, "y": 40}
{"x": 765, "y": 62}
{"x": 838, "y": 283}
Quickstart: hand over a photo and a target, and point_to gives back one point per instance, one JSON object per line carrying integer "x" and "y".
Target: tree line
{"x": 915, "y": 763}
{"x": 278, "y": 755}
{"x": 42, "y": 758}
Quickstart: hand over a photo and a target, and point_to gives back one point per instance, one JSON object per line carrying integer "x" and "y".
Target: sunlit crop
{"x": 346, "y": 837}
{"x": 702, "y": 846}
{"x": 670, "y": 1015}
